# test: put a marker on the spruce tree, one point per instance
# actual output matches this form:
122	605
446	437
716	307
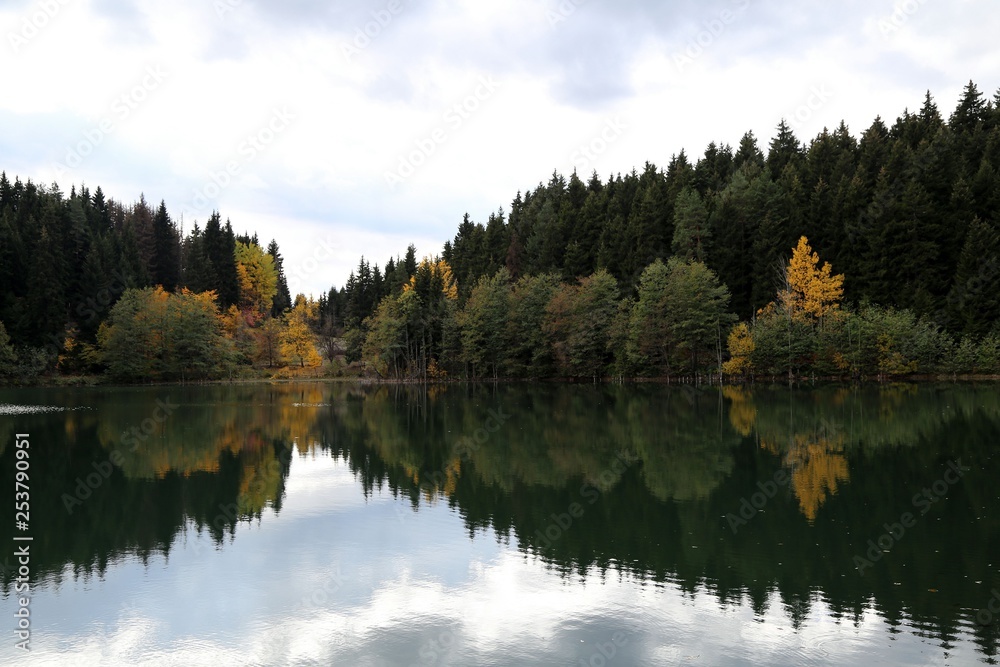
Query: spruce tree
974	300
168	252
282	299
748	153
784	149
691	229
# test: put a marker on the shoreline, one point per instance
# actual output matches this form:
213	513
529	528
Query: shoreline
924	378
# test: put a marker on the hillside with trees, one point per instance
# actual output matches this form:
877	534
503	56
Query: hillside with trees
90	285
870	256
645	274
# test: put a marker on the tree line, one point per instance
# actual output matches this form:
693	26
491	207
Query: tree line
647	273
676	272
88	284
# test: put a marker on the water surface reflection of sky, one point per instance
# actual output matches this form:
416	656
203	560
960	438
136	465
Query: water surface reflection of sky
338	579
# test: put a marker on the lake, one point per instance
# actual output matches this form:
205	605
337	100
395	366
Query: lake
344	524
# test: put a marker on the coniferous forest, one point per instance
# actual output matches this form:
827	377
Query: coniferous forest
853	256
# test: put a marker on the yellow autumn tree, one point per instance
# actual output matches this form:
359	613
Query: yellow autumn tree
237	327
812	292
297	341
741	346
258	280
438	271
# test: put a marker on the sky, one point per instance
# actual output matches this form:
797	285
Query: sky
353	128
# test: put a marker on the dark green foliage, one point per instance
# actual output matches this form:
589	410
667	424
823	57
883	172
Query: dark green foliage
219	248
691	230
65	261
529	354
891	210
151	334
8	357
167	246
283	299
785	150
578	323
974	300
483	321
907	212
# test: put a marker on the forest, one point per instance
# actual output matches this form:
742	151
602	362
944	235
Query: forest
874	256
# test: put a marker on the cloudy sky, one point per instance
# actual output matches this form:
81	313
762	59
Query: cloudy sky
357	127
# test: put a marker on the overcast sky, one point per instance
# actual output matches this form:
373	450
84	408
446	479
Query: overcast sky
358	127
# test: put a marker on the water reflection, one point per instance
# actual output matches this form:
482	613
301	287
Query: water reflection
631	487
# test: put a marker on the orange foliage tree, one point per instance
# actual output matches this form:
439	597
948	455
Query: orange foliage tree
812	291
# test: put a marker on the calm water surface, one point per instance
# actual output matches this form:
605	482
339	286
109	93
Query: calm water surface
313	524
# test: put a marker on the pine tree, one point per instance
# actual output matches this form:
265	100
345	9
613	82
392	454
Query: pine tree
930	119
167	249
733	231
410	261
691	230
45	314
282	299
971	110
646	227
139	220
784	150
197	271
220	248
748	153
974	300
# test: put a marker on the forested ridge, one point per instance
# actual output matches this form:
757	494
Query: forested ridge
642	273
88	284
870	256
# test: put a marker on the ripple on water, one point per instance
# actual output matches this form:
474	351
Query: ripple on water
9	409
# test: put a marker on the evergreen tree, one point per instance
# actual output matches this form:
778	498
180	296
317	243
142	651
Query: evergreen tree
410	261
483	323
748	153
691	229
167	249
197	272
971	110
220	247
648	223
139	221
282	299
734	228
784	150
974	299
